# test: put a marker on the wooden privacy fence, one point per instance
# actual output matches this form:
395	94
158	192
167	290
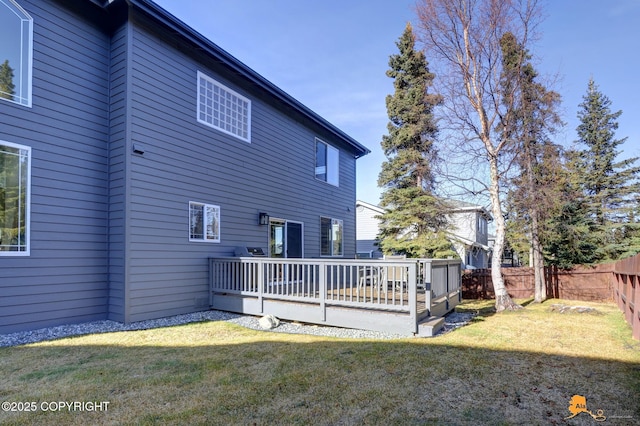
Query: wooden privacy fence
626	291
580	283
381	295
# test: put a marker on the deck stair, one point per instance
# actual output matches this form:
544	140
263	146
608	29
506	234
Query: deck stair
428	327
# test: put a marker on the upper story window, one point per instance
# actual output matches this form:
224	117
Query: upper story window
327	163
330	237
222	108
482	225
204	222
15	192
16	45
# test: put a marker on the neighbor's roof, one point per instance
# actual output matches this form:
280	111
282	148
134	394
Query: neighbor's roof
457	206
175	25
464	206
370	206
469	242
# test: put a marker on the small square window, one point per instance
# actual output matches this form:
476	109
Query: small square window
204	222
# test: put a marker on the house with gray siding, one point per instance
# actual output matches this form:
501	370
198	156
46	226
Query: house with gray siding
132	149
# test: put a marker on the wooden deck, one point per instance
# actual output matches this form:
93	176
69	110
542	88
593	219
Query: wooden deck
407	297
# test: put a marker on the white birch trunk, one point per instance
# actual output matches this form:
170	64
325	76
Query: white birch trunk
503	300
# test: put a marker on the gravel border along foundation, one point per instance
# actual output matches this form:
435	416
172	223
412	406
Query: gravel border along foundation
452	321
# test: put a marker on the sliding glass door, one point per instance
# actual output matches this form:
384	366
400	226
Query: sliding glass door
285	239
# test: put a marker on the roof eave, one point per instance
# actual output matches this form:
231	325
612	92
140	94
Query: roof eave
174	24
370	206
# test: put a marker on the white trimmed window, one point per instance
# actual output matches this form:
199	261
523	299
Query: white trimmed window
330	237
16	47
204	222
15	199
327	163
222	108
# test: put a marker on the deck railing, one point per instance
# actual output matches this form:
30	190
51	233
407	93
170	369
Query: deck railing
342	292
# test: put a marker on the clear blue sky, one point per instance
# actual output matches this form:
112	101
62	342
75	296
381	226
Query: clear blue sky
332	56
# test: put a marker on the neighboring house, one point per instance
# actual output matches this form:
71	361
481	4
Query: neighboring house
367	227
132	149
469	234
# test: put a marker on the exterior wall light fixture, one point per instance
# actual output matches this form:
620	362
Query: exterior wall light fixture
263	218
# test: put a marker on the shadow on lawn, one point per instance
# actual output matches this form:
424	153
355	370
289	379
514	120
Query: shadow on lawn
216	373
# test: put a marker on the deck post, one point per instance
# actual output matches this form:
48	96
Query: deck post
413	294
427	287
322	283
448	287
459	283
261	284
210	282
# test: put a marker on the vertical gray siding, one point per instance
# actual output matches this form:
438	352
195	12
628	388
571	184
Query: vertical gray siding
65	278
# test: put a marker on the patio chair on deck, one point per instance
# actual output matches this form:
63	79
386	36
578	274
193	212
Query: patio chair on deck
396	277
370	276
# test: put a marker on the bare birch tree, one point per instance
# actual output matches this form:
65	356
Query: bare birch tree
463	38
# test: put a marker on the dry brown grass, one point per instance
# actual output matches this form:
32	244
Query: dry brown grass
512	368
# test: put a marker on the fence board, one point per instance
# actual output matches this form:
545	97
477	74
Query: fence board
626	283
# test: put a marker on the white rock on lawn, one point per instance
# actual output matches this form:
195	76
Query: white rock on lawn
268	322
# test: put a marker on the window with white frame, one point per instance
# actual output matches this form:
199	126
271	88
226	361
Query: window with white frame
15	199
327	163
330	237
16	46
223	109
204	222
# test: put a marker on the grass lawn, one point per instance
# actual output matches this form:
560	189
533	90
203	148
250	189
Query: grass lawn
516	368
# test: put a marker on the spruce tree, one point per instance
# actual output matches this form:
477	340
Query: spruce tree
568	235
414	221
529	122
609	186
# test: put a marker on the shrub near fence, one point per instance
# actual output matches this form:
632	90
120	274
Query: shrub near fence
580	283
